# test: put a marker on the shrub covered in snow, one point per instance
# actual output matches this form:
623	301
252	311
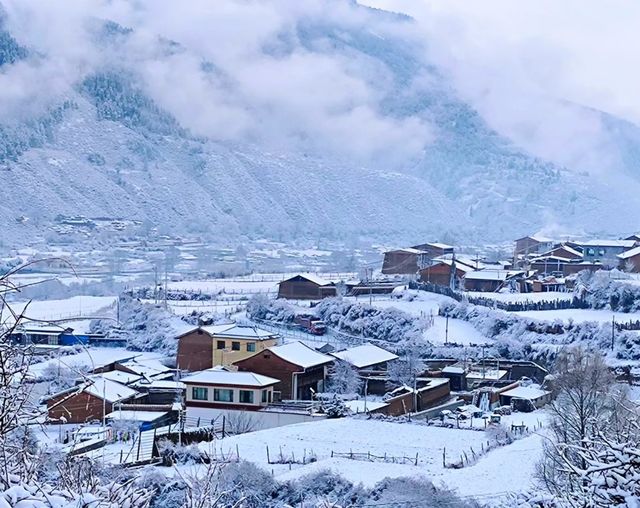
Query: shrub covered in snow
145	327
388	325
600	290
262	307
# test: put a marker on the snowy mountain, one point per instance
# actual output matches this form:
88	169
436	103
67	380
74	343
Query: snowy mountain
384	149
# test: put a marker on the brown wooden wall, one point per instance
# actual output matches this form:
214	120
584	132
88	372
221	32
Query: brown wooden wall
78	408
302	289
432	397
195	351
398	262
268	364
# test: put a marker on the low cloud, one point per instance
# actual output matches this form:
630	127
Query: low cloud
239	72
539	71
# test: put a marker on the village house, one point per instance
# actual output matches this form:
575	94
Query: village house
409	260
220	389
490	280
51	335
548	284
90	400
206	346
525	398
528	245
440	272
428	393
629	261
606	251
306	287
366	358
130	370
564	251
302	371
401	261
431	251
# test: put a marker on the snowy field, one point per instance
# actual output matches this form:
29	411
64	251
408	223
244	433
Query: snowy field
74	307
394	439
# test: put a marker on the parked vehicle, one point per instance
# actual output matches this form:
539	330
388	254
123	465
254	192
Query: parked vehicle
310	324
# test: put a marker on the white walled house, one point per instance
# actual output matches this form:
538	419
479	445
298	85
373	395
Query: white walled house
221	389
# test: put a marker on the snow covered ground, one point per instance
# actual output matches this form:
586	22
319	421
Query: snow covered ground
579	315
394	439
74	307
427	305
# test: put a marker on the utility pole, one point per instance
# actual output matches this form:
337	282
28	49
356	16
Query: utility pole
482	347
370	287
165	286
155	285
446	331
613	331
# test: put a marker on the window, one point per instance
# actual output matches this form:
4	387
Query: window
220	344
220	395
591	252
251	347
246	396
198	393
265	395
235	346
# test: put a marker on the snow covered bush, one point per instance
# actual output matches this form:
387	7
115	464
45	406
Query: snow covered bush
264	308
388	325
334	408
343	379
145	327
600	291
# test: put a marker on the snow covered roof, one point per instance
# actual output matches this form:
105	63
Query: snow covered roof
627	244
299	354
442	246
453	369
160	384
499	275
312	278
359	406
630	253
234	331
541	259
537	238
461	265
409	250
365	355
106	389
526	392
121	377
223	377
569	249
135	416
146	367
488	374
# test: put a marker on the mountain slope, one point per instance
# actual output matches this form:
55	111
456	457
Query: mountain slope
107	148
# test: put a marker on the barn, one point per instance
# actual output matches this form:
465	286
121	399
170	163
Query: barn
306	287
